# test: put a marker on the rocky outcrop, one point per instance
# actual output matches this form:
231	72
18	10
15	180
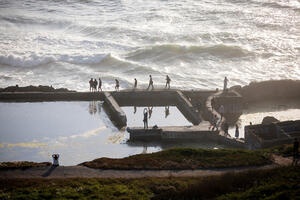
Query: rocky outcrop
269	120
31	88
269	90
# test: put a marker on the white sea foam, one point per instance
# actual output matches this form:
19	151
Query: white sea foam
35	59
197	43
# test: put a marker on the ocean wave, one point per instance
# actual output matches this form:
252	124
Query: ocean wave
36	60
220	50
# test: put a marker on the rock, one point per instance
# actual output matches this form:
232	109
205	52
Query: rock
269	120
31	88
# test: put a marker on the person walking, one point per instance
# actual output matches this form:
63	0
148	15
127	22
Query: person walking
168	80
295	152
225	84
150	83
100	85
95	85
91	85
135	83
237	133
145	120
117	85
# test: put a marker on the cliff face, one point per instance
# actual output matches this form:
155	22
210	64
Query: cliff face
270	90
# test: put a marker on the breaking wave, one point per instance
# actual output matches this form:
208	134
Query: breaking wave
221	50
36	60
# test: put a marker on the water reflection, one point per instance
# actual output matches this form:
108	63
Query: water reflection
94	107
167	111
150	110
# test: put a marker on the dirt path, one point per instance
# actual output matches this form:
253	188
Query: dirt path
85	172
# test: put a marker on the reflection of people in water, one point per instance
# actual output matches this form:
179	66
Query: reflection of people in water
99	107
167	111
92	107
134	109
145	120
150	111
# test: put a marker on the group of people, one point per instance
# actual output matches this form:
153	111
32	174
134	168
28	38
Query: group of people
94	83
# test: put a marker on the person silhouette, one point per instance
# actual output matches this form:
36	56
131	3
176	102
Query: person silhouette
135	83
117	85
225	84
168	80
150	83
237	132
145	120
95	85
91	85
100	85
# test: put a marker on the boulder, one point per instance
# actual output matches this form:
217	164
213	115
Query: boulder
269	120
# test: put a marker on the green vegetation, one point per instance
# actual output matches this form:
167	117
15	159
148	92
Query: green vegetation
185	158
278	183
282	150
22	165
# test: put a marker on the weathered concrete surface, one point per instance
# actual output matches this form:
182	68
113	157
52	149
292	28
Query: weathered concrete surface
182	133
117	115
267	135
187	109
50	96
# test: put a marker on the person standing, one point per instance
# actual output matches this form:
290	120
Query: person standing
225	84
95	85
150	83
135	83
117	85
168	80
295	152
221	111
237	133
145	120
91	85
100	85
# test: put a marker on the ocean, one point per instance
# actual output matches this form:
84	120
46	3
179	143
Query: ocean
64	43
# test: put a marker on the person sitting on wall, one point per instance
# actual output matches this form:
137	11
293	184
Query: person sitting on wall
145	120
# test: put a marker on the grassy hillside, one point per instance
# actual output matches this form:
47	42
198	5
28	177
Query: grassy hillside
185	158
